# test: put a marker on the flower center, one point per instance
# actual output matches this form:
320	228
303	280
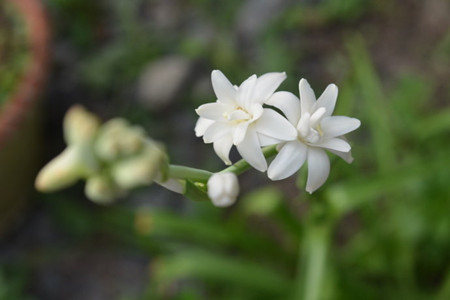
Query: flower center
239	115
309	130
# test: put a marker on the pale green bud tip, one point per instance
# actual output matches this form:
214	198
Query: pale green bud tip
101	189
61	172
140	169
75	162
223	189
80	126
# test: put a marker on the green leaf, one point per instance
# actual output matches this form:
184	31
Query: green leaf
225	271
196	191
375	104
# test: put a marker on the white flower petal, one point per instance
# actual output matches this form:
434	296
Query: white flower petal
328	99
275	125
256	110
303	125
288	161
250	150
288	103
216	131
347	156
316	117
318	169
201	126
266	86
222	148
224	90
338	125
239	132
213	111
334	144
244	94
265	140
307	96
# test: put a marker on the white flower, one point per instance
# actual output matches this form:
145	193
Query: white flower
316	130
223	189
238	118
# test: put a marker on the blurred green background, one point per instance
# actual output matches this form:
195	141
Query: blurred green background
387	214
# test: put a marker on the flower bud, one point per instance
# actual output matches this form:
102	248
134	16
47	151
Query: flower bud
101	189
72	164
80	126
223	189
140	169
118	139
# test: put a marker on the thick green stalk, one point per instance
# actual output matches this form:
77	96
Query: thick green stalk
312	260
313	251
182	172
242	165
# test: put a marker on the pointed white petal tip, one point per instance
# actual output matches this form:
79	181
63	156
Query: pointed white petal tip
334	86
303	83
283	74
276	175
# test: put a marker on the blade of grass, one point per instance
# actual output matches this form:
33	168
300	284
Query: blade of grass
222	270
375	104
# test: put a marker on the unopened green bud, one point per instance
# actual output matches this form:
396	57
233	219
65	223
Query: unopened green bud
101	189
140	169
80	126
73	163
117	139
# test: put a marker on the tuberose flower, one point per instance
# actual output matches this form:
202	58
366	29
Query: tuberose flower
238	118
223	189
317	130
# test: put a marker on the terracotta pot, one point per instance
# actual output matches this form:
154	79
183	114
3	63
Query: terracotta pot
19	119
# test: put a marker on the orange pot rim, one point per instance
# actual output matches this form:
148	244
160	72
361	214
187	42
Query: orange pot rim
33	79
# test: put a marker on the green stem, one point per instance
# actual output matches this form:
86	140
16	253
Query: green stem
182	172
242	165
312	261
314	251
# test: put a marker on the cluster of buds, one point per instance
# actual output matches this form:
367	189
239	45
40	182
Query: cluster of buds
113	158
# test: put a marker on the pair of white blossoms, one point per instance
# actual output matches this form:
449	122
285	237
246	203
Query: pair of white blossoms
243	116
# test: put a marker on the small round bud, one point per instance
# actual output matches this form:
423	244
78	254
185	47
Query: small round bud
101	189
223	189
117	139
140	169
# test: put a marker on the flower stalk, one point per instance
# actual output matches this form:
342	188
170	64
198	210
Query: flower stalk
199	175
313	252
